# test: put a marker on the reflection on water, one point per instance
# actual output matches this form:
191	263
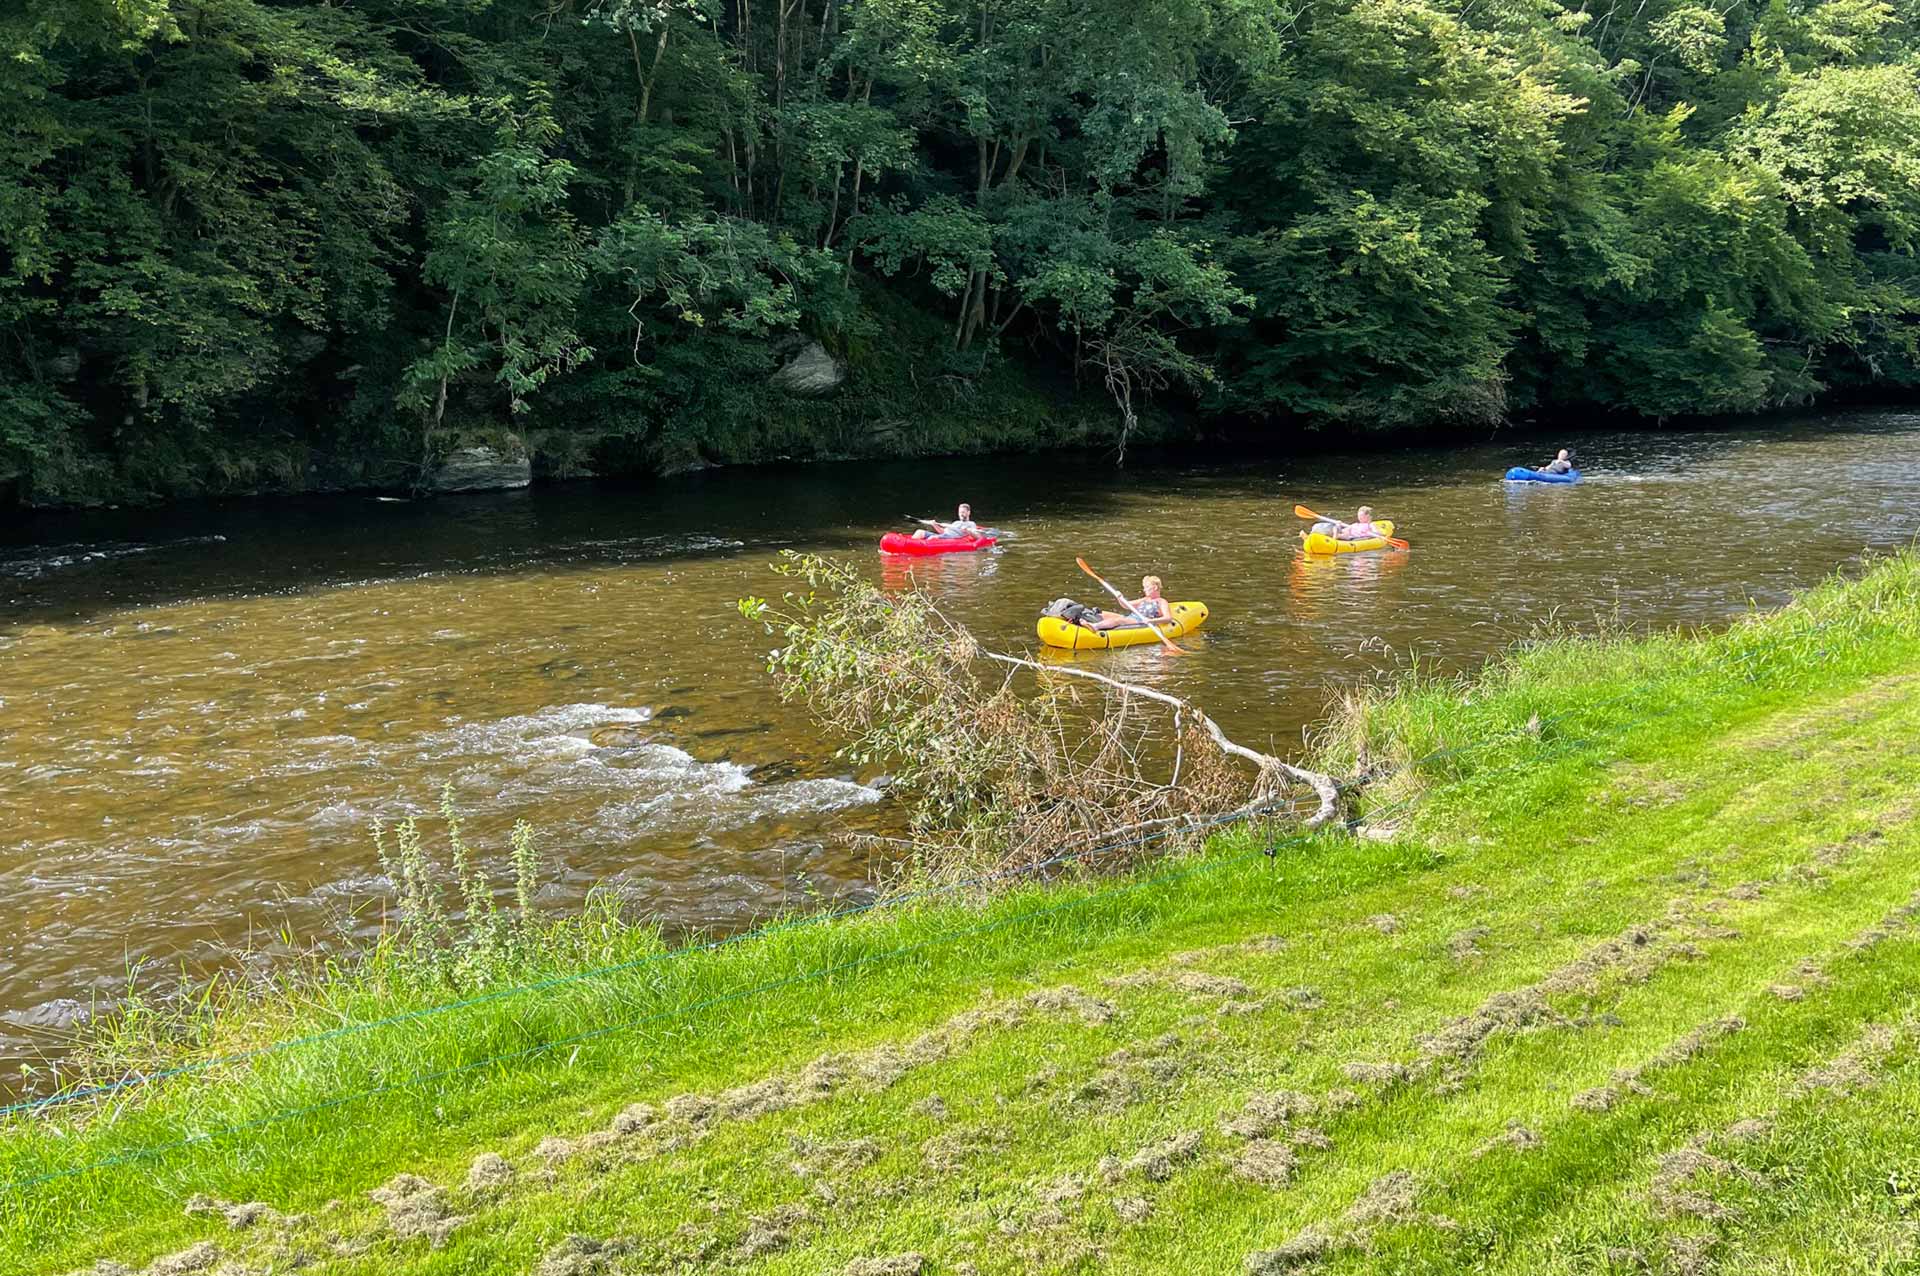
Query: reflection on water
202	710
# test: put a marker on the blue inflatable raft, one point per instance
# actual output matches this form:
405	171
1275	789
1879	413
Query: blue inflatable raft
1521	474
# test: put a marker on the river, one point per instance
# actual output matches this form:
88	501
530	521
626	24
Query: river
203	709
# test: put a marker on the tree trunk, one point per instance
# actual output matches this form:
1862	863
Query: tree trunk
653	74
976	314
833	211
966	305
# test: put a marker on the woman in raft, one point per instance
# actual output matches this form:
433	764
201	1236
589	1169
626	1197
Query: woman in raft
1361	529
1560	464
1150	605
959	529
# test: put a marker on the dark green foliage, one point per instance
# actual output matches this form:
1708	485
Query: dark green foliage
257	243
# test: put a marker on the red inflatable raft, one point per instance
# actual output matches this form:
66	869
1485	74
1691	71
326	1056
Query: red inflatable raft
900	543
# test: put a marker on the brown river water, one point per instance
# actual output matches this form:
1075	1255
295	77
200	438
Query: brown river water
203	709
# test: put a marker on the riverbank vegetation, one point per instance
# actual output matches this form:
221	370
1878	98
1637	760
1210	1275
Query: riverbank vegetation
249	245
1005	764
1625	983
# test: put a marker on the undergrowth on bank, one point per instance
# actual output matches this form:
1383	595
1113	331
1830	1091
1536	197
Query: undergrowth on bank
611	1015
1418	732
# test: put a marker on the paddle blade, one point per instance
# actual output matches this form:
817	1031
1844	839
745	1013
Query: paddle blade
1301	511
1397	543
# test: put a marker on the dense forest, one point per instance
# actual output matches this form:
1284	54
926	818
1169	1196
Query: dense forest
248	244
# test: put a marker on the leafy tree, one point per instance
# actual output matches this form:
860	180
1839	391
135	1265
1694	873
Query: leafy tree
510	258
240	237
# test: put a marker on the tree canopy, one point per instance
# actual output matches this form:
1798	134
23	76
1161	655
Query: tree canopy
238	233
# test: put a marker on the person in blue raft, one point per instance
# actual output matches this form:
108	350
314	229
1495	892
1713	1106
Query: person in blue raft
1561	469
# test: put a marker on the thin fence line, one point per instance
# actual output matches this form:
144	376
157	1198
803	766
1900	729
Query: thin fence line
675	1012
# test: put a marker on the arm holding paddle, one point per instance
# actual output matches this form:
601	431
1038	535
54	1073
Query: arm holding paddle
941	529
1131	609
1301	511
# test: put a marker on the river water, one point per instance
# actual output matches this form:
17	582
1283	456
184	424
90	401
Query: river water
202	710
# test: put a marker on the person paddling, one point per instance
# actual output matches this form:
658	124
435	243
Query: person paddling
1150	605
959	529
1561	464
1361	529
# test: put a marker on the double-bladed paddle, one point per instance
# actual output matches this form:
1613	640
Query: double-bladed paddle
1301	511
991	532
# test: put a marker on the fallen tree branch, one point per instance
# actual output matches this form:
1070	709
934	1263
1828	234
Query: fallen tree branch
994	774
1269	766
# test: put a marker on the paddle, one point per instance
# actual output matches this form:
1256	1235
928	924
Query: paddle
1171	645
993	532
1301	511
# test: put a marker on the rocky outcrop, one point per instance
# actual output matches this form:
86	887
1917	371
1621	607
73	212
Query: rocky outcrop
482	469
808	370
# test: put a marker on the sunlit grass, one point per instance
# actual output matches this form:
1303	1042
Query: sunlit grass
1586	786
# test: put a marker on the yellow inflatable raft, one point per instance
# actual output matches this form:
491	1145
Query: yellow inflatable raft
1055	632
1318	543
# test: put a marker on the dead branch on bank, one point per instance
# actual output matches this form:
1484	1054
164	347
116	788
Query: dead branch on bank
1009	769
1269	767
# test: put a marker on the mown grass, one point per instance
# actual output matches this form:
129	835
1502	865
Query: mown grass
1740	801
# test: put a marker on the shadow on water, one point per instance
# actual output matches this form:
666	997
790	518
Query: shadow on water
71	566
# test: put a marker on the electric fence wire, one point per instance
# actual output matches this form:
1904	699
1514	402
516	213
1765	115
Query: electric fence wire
1378	816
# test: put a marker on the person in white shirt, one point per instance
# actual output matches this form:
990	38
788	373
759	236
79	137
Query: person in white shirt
959	529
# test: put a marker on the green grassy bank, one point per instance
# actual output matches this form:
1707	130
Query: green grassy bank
1624	977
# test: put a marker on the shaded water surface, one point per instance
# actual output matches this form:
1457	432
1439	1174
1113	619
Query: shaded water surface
202	711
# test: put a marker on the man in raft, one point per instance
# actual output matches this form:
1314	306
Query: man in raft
958	530
1560	464
1361	529
1150	605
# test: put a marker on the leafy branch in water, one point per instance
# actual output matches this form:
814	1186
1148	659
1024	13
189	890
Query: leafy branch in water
1004	762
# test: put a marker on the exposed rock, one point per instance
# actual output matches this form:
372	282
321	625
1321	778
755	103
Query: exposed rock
482	469
620	735
809	371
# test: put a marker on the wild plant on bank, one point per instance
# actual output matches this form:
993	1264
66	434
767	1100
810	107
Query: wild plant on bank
427	943
449	928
